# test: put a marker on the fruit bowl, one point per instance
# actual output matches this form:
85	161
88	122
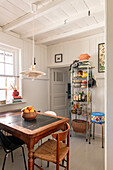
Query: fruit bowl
28	113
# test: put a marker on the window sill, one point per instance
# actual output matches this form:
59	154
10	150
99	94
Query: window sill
7	104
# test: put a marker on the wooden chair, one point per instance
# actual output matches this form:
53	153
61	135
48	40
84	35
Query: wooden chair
55	150
9	144
51	113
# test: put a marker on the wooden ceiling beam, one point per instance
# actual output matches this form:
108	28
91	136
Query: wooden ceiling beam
30	17
72	33
38	2
61	24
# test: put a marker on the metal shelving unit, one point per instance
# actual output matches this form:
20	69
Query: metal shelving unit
76	108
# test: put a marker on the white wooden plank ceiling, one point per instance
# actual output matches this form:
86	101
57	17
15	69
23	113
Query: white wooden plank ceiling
54	20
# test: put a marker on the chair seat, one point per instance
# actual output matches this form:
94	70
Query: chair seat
47	151
14	143
15	140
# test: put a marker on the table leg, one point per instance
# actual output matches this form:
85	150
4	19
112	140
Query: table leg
30	159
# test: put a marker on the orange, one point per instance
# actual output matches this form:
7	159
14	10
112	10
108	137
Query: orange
26	111
32	110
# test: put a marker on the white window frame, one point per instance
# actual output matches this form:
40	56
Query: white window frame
16	62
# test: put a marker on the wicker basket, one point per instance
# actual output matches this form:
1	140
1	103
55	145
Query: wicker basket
79	125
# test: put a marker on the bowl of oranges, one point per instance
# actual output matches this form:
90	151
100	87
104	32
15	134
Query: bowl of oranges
28	113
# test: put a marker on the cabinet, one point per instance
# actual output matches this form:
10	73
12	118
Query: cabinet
81	99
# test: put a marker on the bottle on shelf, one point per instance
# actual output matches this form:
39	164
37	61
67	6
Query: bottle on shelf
74	107
79	96
83	96
77	105
86	98
76	98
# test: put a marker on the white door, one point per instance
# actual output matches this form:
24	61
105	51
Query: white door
58	88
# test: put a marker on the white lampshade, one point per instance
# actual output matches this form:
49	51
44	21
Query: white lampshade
32	72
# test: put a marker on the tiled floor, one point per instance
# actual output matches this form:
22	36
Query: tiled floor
82	156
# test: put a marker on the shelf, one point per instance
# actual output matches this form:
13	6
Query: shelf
81	78
85	87
84	107
81	87
7	104
79	101
83	68
80	114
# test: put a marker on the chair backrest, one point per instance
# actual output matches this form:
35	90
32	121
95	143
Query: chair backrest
51	113
4	141
61	136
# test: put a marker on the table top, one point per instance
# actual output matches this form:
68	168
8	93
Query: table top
40	123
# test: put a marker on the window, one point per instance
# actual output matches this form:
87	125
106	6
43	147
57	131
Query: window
8	73
58	76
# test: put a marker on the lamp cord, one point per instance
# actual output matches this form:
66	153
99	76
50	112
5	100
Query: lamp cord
33	59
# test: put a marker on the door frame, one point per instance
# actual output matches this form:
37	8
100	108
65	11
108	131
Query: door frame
49	83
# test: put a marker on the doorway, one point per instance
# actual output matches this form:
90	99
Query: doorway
59	102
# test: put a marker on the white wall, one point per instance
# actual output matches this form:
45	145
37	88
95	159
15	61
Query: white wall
34	92
71	51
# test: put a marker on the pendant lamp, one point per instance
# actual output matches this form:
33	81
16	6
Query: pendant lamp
33	72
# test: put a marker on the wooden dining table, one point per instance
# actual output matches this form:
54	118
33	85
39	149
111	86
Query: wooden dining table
31	131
